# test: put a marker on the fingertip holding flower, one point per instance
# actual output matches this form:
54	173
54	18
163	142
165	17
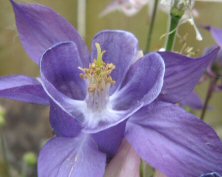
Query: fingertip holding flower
126	163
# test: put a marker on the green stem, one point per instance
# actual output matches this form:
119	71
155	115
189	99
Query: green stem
150	31
142	171
211	87
81	17
174	21
4	153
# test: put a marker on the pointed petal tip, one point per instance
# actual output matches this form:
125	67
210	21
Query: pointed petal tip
212	54
40	27
14	3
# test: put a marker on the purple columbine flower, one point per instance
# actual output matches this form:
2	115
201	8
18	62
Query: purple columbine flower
95	101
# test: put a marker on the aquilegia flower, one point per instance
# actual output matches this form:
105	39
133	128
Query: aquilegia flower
95	101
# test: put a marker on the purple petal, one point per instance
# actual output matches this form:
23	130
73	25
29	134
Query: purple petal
59	65
40	28
219	58
193	101
216	34
62	123
121	49
62	83
182	74
110	139
126	163
142	83
71	157
22	88
174	141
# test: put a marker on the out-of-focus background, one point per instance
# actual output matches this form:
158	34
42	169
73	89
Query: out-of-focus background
27	125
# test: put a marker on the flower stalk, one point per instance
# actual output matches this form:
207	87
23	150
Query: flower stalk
213	83
150	30
2	142
174	21
4	154
81	17
178	8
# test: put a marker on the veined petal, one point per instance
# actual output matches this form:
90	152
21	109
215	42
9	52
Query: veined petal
142	83
40	28
121	49
178	82
71	157
174	141
60	66
22	88
62	123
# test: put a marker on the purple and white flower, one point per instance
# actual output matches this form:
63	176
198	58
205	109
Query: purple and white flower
128	7
97	100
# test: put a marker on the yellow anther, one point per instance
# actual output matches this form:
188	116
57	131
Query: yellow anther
98	73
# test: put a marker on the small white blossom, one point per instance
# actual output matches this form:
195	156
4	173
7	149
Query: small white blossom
128	7
132	7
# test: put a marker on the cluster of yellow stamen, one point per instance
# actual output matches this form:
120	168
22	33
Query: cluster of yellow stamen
98	73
